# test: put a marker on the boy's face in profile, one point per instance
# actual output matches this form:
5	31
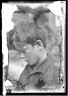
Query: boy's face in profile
31	53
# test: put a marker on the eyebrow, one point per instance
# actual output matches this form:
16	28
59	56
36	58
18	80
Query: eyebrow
23	49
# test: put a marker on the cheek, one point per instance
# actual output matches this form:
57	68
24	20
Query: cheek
31	56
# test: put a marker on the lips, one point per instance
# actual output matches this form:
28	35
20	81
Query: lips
25	59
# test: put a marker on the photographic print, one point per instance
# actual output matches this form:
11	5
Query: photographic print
33	47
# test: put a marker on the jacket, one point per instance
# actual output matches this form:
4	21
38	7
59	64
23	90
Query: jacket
44	74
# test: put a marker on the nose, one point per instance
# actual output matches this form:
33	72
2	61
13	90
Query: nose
22	55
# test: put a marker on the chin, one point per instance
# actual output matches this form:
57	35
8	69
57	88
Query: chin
31	64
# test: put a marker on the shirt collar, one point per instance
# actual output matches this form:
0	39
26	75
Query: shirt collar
43	66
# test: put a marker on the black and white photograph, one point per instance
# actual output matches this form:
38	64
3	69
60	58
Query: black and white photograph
33	47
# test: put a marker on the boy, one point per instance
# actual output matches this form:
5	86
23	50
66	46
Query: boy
33	39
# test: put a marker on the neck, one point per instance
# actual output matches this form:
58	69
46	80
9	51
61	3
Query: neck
42	57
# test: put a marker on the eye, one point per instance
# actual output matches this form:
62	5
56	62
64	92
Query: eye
24	50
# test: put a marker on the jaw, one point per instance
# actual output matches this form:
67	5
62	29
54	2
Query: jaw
42	57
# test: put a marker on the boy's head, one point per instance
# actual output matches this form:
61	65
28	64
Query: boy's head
30	39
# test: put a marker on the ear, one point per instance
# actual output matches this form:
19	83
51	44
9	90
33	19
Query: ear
39	44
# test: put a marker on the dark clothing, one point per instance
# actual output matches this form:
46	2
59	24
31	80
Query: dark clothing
44	74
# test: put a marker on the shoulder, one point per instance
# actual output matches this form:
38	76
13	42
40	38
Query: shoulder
50	67
51	76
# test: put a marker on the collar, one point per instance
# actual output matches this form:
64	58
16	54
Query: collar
43	66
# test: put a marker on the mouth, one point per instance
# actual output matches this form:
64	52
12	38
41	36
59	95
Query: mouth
26	59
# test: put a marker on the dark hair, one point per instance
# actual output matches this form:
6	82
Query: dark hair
29	33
